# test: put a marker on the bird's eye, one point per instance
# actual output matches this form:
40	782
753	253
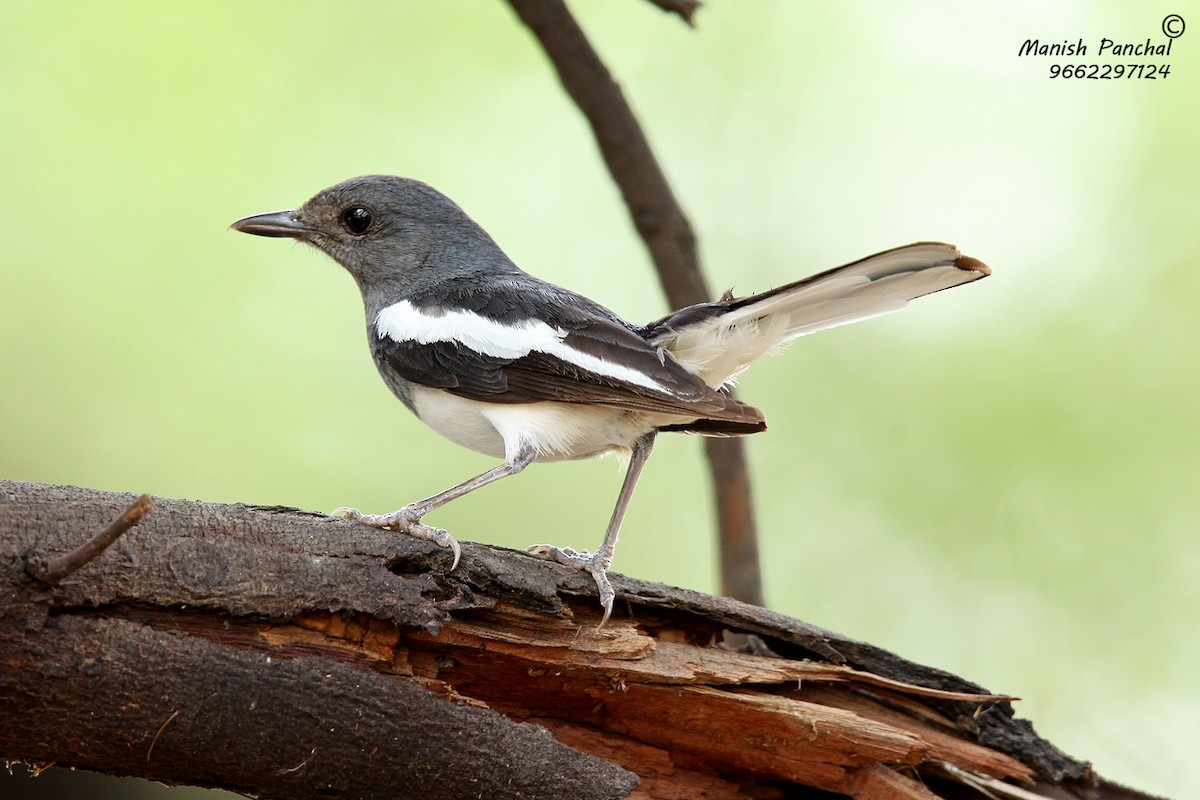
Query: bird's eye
356	219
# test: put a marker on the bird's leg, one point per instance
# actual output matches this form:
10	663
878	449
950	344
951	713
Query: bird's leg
408	519
597	563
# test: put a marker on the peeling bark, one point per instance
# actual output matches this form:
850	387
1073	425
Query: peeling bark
282	653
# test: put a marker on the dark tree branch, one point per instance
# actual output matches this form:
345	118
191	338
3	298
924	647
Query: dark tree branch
287	654
656	213
684	8
664	228
111	694
741	576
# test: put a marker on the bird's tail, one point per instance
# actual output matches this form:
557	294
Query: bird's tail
717	340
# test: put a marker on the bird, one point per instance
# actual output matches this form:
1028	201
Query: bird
520	369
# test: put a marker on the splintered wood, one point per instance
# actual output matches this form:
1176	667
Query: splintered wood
691	718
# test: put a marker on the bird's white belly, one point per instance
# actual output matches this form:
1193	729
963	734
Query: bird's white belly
558	431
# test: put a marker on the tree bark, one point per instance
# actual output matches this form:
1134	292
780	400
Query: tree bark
286	654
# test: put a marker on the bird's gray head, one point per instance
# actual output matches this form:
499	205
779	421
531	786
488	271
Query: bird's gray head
390	233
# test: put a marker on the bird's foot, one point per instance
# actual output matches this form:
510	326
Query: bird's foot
408	520
595	564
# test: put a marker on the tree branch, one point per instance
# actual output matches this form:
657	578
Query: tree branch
686	9
286	654
655	212
664	228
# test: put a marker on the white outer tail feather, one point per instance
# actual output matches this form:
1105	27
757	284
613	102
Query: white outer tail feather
719	348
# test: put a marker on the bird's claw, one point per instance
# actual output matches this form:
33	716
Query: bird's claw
407	520
595	564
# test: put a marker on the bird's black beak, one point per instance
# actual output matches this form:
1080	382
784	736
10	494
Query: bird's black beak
277	223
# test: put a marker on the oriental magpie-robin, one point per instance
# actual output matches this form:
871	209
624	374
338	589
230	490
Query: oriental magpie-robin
514	367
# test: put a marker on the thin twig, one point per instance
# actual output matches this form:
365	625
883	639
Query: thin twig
55	569
301	765
664	227
161	728
684	8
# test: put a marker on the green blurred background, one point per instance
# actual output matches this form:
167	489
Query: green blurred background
1001	481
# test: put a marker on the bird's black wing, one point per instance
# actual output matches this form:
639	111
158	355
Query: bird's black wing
569	354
